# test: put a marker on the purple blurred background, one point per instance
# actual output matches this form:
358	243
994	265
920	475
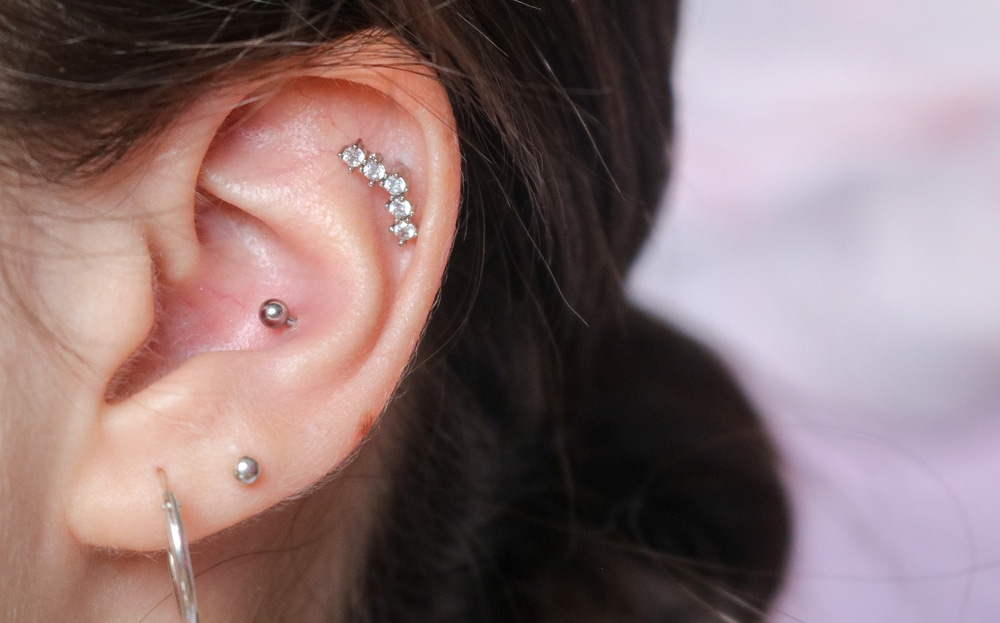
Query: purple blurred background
833	230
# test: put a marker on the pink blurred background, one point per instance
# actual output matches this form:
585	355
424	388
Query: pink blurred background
833	230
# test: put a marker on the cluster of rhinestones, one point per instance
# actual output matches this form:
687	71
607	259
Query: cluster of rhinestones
371	166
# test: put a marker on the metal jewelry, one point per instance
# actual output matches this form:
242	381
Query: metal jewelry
179	557
274	314
371	166
247	470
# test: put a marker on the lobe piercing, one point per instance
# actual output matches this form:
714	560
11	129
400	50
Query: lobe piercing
274	314
247	470
370	165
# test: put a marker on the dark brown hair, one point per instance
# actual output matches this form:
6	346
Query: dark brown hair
566	458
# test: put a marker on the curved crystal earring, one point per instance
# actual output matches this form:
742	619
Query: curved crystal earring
178	555
371	166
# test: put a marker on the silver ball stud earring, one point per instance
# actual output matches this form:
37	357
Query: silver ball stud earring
274	314
247	470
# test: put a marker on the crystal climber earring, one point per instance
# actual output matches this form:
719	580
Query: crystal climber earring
371	166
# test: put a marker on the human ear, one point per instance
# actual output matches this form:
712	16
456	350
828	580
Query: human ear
242	200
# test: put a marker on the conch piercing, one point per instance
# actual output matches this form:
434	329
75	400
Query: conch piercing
178	555
274	314
247	470
371	166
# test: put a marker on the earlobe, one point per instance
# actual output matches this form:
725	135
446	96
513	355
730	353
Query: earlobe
287	329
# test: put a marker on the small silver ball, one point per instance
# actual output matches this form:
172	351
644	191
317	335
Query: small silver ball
247	470
274	314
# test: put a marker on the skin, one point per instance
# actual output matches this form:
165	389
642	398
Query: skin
147	282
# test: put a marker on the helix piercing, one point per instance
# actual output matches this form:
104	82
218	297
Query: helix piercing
274	314
179	556
247	470
371	166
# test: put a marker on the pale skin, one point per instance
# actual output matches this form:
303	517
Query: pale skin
240	200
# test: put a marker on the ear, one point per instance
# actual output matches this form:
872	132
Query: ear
246	199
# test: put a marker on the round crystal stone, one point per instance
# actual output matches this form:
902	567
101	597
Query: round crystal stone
374	169
404	230
353	156
399	208
395	184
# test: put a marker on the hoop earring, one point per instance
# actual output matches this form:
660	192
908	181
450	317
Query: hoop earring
178	555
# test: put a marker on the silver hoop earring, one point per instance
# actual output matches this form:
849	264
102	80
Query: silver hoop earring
179	557
370	165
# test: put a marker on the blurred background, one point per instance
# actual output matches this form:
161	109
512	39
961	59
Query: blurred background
833	231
